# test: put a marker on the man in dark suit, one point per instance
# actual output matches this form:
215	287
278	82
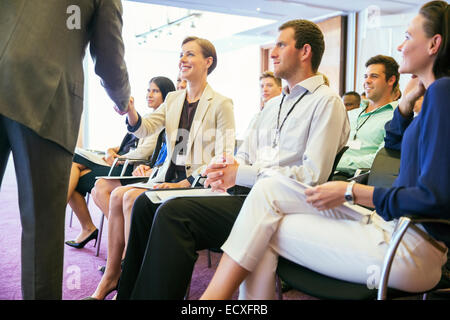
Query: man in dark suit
42	45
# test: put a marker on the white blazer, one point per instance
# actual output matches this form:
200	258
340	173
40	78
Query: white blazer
212	132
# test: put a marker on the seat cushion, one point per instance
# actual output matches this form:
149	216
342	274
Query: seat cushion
324	287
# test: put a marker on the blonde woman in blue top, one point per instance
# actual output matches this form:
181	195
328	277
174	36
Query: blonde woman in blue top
270	223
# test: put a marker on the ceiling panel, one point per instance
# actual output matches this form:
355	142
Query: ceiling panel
277	11
283	10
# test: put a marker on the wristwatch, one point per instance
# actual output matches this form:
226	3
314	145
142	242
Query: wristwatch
349	193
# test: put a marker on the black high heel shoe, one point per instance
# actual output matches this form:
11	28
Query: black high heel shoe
80	245
107	294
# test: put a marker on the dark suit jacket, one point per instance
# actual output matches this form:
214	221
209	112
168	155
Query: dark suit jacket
41	73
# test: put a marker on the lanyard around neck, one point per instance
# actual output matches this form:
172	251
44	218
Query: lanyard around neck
279	127
360	126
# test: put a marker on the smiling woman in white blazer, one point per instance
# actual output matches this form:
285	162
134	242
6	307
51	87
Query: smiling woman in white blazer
211	134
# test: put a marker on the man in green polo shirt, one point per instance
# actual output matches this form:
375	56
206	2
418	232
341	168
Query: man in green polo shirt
367	122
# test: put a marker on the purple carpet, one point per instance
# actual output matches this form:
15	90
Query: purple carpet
81	274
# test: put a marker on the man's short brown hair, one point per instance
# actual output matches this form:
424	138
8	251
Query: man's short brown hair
390	67
269	74
307	32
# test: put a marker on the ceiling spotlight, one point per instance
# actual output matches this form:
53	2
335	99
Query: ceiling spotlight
258	9
157	32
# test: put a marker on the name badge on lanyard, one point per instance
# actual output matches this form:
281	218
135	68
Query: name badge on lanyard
354	144
181	160
276	141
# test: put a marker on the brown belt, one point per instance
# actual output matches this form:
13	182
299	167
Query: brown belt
388	227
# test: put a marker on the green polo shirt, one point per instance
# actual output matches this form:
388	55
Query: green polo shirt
369	129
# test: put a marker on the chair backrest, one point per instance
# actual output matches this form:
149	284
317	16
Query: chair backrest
385	168
159	143
336	161
128	142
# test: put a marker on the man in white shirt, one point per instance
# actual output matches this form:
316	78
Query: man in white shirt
270	87
297	135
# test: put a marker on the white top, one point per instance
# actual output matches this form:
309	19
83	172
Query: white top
313	133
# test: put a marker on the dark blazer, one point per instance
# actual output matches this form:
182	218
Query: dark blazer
41	72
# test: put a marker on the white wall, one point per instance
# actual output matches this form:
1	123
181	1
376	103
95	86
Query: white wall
104	127
383	36
236	76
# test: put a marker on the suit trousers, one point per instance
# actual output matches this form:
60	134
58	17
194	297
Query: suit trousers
164	240
42	171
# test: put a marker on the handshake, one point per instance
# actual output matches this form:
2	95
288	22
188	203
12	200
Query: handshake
221	173
222	170
128	108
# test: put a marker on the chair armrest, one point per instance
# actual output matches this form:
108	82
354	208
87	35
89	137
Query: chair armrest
402	226
418	220
361	178
132	160
400	230
99	152
127	161
360	171
198	181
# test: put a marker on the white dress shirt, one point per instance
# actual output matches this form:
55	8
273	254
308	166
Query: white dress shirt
311	136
